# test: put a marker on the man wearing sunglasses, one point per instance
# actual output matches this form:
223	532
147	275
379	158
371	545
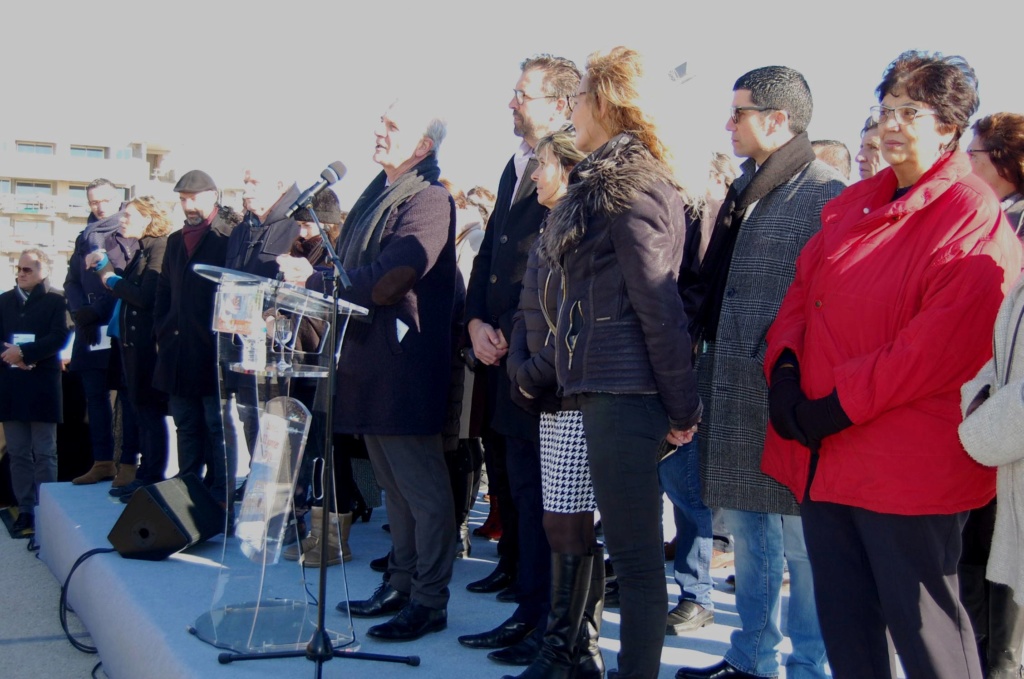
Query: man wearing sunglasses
769	213
539	104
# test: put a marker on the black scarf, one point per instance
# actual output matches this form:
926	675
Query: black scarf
787	161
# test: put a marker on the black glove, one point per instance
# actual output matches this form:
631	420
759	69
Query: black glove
86	316
821	417
90	333
783	397
522	400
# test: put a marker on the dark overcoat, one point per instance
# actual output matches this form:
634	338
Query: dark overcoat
495	286
83	288
392	380
186	362
33	395
137	292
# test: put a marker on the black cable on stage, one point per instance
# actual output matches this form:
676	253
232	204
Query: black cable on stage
64	601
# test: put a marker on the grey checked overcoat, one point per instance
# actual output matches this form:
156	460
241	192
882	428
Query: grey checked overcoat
730	375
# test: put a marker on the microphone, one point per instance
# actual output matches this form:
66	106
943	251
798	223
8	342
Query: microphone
334	172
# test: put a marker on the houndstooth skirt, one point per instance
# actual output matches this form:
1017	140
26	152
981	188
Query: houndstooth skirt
565	470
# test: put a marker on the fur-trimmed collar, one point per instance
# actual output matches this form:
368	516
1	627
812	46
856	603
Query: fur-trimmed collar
605	183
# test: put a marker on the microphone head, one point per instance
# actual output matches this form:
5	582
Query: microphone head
334	172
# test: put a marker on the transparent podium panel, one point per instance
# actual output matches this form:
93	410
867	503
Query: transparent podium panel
274	363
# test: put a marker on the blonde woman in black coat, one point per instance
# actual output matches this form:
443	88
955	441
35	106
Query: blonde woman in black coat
147	222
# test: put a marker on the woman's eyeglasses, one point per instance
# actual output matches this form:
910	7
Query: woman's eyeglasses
571	100
971	152
904	115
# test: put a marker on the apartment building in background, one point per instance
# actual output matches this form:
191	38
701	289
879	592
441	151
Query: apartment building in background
42	190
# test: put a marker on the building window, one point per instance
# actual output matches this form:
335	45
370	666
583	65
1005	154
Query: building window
38	233
88	152
33	189
33	147
77	197
5	186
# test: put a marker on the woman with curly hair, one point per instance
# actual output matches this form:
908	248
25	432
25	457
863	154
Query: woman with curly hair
622	347
145	224
887	317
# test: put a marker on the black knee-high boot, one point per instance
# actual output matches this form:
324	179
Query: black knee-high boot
570	588
1005	633
589	663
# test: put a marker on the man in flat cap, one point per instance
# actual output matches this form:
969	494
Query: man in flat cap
186	364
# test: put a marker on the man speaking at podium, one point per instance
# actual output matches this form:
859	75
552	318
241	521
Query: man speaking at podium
398	248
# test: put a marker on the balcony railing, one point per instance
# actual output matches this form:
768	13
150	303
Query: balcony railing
43	205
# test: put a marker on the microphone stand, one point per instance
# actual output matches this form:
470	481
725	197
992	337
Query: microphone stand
319	649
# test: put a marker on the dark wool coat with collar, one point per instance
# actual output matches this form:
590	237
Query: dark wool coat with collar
33	395
731	378
137	292
394	381
618	234
183	312
494	288
83	288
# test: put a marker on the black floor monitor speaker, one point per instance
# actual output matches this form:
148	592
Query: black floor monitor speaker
165	518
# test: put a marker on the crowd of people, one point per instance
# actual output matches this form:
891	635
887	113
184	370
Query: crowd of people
818	374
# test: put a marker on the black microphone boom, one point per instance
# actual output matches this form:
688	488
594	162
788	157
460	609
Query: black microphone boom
334	172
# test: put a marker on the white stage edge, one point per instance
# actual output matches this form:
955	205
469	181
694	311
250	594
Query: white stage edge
138	612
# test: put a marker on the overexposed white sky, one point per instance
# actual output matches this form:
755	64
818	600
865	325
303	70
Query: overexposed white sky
222	81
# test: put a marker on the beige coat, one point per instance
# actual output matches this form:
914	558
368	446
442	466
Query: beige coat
994	436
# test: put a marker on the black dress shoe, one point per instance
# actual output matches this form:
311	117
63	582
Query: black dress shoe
506	634
495	582
380	565
412	622
688	616
385	601
522	654
25	521
722	670
508	595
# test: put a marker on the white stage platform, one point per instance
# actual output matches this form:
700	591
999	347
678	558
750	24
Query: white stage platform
138	612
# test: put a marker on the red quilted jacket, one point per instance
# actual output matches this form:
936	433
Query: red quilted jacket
893	306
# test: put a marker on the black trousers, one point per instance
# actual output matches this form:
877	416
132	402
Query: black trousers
623	432
873	571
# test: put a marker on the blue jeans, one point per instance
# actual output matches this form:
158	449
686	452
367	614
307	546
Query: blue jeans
763	541
101	415
680	480
201	434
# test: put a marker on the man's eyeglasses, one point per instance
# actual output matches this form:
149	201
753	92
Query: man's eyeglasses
971	152
904	115
523	97
24	270
735	111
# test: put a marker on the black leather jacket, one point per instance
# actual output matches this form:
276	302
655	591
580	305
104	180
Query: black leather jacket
618	235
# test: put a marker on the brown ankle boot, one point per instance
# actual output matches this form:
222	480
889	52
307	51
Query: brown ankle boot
125	475
309	548
345	521
101	471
